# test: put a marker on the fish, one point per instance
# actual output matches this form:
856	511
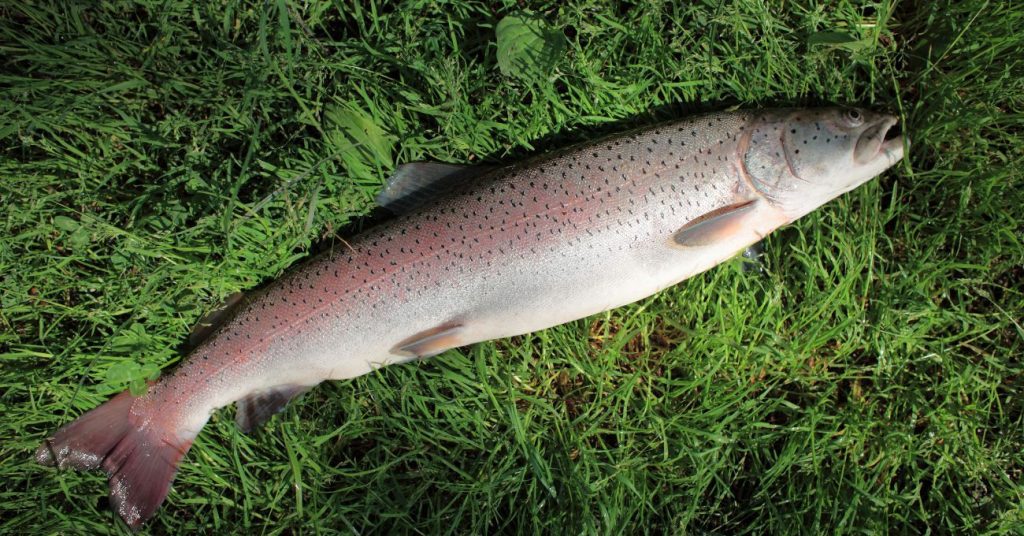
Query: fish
476	253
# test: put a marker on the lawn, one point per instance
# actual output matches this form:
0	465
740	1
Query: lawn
158	156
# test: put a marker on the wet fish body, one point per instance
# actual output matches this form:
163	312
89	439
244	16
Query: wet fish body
516	250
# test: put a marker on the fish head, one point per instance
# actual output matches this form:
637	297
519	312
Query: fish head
801	159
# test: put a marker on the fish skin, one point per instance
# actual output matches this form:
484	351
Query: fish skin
526	247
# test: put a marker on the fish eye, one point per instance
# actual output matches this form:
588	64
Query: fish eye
854	117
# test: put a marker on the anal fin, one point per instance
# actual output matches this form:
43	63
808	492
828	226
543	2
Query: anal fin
256	408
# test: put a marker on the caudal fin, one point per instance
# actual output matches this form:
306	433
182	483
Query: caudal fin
139	457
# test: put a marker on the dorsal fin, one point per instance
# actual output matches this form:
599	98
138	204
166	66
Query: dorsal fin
257	407
714	226
213	320
413	185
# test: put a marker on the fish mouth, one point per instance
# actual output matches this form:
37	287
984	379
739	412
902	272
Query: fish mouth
884	138
893	141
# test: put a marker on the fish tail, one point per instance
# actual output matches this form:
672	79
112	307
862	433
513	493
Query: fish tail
140	453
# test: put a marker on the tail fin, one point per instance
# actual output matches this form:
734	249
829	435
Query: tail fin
140	458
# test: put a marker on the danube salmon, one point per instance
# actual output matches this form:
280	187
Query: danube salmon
483	253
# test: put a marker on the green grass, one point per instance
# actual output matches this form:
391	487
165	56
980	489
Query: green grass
158	156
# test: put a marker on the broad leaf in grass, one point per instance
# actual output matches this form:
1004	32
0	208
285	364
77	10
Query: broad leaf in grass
366	149
528	47
133	376
837	40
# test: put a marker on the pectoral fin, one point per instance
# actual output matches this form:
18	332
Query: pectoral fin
431	342
717	225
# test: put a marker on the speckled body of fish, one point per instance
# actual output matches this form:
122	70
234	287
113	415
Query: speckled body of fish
511	251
